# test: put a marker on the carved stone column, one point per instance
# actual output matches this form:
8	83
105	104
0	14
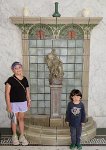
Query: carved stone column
56	119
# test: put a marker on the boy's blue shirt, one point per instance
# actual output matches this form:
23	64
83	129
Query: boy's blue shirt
75	114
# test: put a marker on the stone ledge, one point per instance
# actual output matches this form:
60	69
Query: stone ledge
52	20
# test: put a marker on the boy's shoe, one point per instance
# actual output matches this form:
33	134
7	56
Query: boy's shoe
15	140
79	146
23	140
72	146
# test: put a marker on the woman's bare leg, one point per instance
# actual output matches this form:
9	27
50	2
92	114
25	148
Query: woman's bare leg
13	126
21	122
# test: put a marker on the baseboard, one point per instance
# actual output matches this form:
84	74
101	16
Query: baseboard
5	131
101	131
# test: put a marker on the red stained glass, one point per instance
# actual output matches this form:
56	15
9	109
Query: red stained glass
40	34
71	34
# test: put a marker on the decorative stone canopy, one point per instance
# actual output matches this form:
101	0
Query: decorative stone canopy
55	26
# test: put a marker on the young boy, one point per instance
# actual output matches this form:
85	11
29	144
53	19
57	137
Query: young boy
75	115
17	100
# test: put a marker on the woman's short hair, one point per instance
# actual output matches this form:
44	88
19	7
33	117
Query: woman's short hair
15	63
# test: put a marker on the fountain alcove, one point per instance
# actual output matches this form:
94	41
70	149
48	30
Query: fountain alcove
70	36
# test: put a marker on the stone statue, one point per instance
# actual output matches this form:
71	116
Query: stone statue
55	67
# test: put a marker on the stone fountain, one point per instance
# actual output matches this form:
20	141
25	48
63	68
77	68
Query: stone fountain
52	129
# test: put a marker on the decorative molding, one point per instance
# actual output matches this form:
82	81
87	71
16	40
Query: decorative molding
56	27
52	20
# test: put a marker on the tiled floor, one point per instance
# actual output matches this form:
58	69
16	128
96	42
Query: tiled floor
97	141
49	148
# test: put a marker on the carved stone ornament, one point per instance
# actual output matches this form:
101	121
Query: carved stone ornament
55	67
54	29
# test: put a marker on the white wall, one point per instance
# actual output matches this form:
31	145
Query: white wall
11	47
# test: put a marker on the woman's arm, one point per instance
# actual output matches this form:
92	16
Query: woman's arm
28	97
7	96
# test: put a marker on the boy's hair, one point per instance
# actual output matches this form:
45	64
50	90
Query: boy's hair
75	92
15	63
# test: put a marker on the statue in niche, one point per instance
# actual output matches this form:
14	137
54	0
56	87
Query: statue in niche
55	67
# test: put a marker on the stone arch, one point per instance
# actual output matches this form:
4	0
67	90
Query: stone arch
72	31
40	31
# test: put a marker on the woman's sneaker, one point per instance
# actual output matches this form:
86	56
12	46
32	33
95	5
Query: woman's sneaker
23	140
72	146
15	140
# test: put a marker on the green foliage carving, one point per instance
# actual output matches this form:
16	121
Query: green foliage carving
56	30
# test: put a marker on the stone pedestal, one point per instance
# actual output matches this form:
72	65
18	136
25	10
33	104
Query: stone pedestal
55	100
56	122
